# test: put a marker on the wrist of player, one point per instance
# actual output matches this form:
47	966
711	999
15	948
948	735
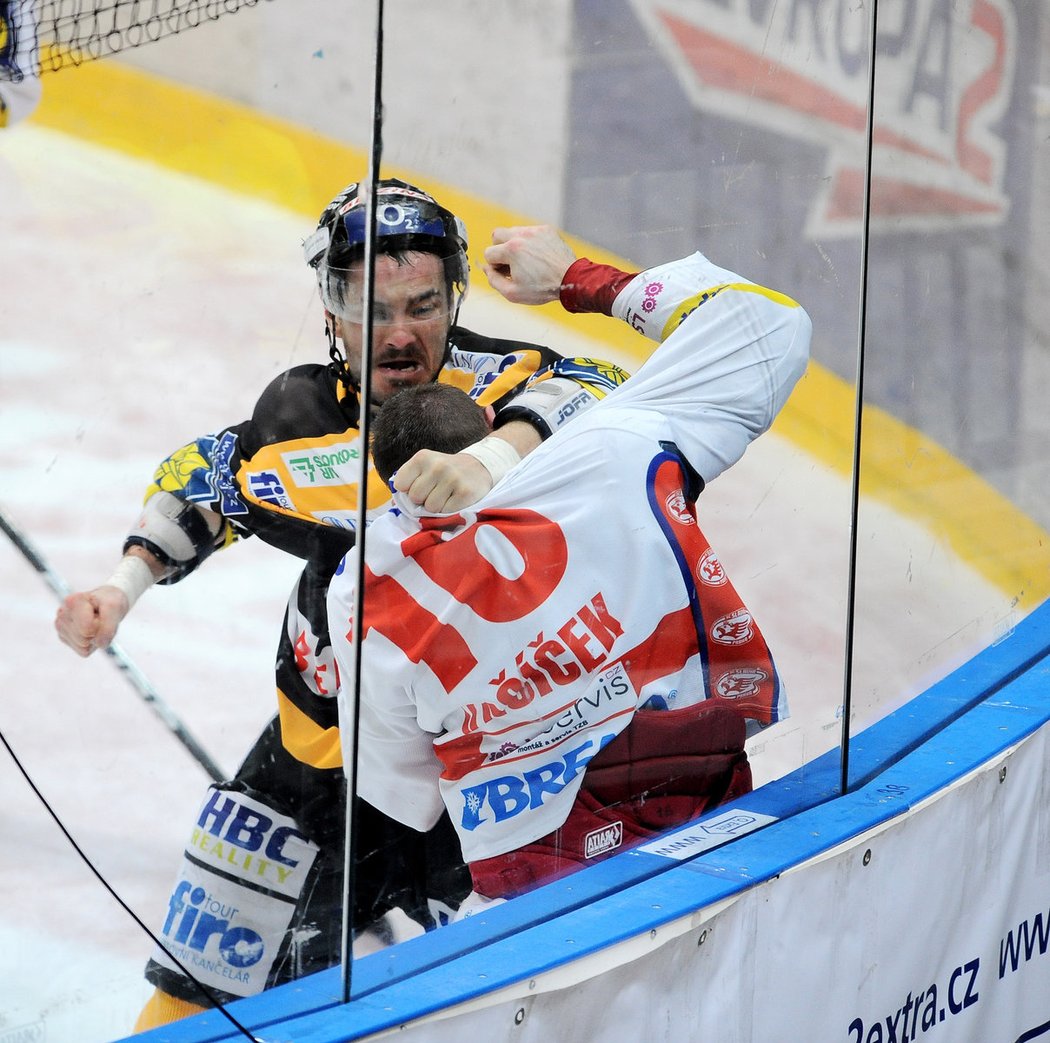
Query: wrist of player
496	455
591	287
132	577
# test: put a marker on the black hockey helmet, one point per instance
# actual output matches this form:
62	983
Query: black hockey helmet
407	219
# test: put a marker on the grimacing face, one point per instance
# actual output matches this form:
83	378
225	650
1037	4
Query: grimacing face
410	327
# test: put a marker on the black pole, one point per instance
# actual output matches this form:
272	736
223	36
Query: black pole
362	501
858	424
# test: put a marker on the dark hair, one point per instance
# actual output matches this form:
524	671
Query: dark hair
428	416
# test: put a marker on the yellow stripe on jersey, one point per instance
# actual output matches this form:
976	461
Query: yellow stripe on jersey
306	740
690	304
513	376
457	378
608	373
309	475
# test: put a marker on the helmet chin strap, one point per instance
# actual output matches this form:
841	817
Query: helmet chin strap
339	360
448	335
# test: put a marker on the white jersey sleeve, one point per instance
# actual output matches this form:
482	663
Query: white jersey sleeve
731	352
397	768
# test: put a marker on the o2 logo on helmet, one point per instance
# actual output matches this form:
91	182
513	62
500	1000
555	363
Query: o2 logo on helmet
401	219
394	219
196	918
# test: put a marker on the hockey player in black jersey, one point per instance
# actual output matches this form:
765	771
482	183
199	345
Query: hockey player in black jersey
257	898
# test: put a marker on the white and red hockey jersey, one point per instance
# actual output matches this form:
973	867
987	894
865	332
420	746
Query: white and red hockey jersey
505	645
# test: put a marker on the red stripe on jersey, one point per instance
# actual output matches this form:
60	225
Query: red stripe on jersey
665	651
395	614
463	755
738	666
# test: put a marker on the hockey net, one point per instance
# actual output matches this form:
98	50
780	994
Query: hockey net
52	34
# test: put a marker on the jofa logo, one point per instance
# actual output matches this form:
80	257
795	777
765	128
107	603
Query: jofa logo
599	841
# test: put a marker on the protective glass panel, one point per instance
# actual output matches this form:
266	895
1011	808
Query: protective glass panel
186	296
180	301
951	529
522	637
739	123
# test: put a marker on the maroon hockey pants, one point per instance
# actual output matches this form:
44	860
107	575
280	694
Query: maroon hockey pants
666	768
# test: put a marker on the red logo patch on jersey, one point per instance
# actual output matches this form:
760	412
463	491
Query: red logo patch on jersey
709	570
678	508
741	683
735	629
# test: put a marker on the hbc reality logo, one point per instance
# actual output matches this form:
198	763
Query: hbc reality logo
243	871
800	68
238	834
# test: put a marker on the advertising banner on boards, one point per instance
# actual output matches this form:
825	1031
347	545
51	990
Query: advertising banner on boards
932	928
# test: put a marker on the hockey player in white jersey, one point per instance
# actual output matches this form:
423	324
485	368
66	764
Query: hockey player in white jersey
567	659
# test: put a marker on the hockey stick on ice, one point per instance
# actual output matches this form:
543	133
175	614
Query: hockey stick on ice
134	675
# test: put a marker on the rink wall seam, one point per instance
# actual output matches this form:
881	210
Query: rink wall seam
248	152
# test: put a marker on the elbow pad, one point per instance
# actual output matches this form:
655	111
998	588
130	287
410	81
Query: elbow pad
176	533
571	387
